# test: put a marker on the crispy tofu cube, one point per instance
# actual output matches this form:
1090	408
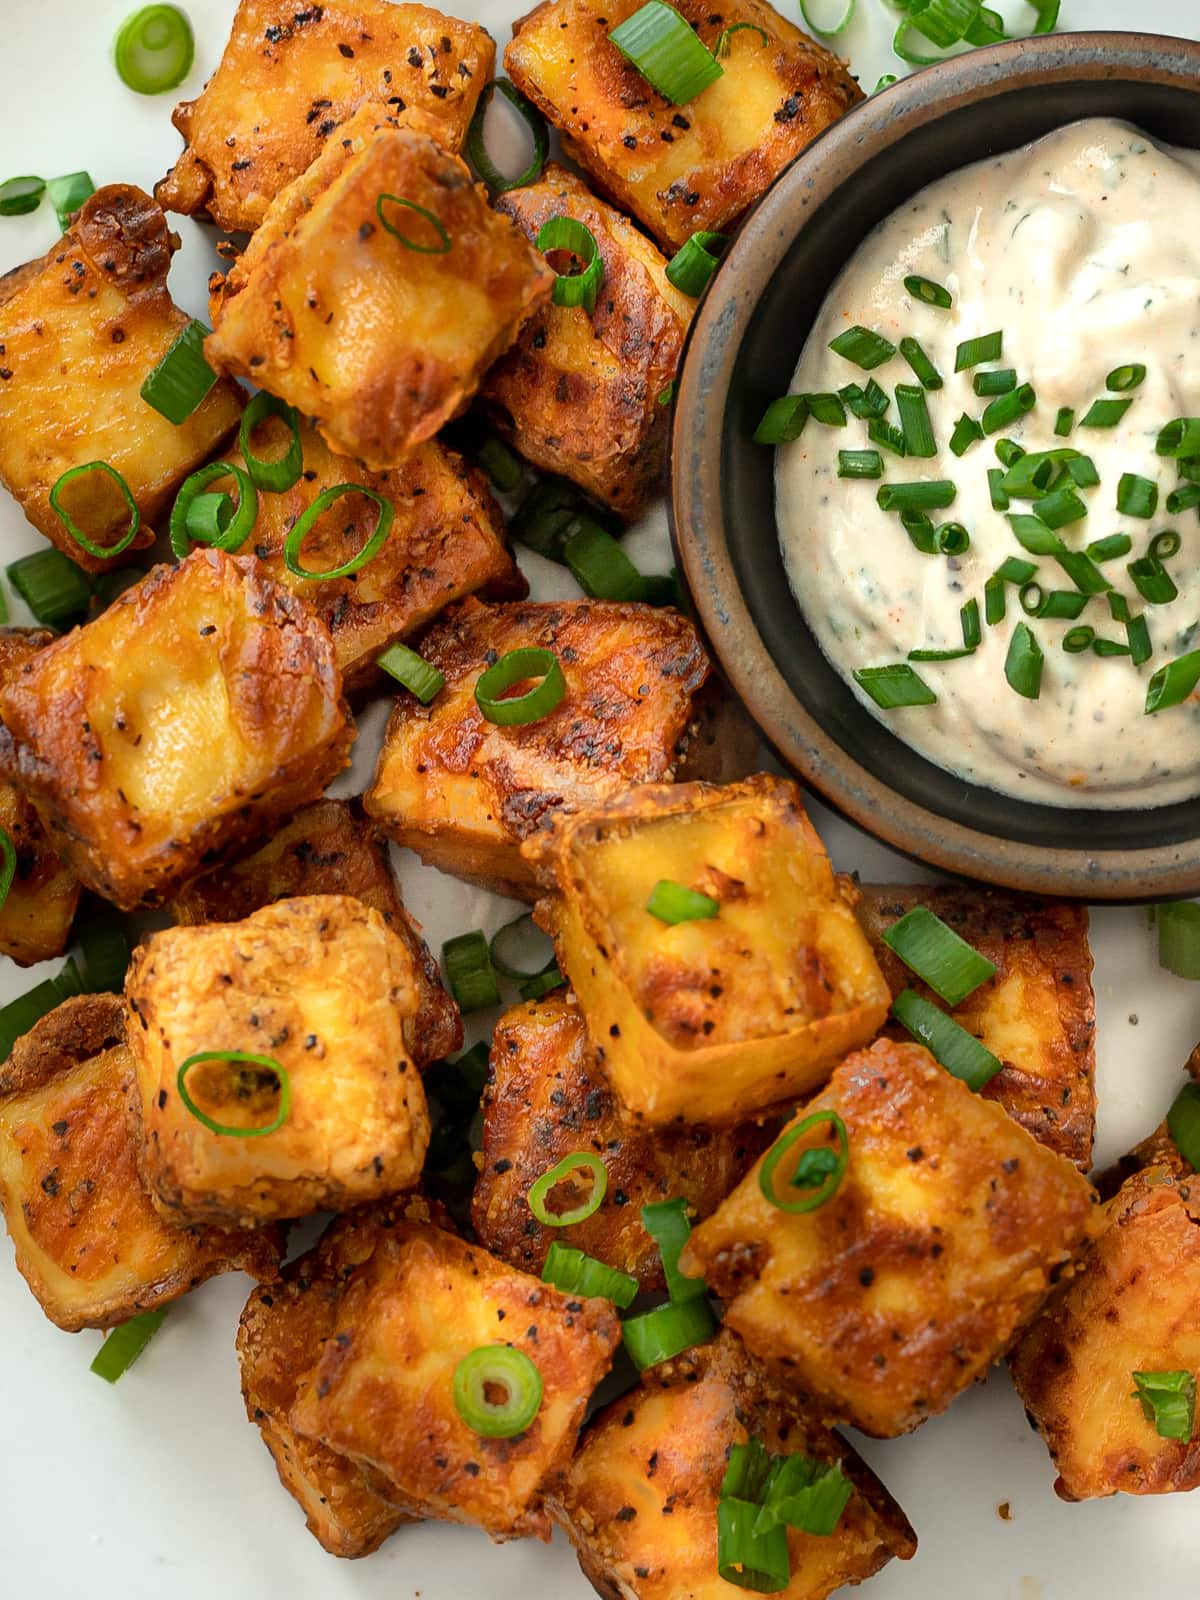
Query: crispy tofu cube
382	1391
679	168
36	917
1132	1306
640	1500
314	68
463	792
545	1100
80	331
1037	1015
447	540
940	1243
201	706
714	1019
379	342
321	986
88	1241
579	393
328	848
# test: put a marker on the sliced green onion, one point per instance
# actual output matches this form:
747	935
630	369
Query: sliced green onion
1082	472
953	539
576	1273
1009	452
413	671
1136	497
666	1221
1185	498
540	1192
928	292
1016	571
860	464
209	517
1063	605
490	1370
51	585
565	233
103	951
1108	548
807	1495
819	1170
666	50
995	477
1008	407
444	243
154	49
759	1562
1082	571
1183	1119
1168	1400
182	378
972	632
973	352
516	933
1064	421
512	711
1165	544
125	1344
1110	647
599	565
1023	664
102	552
783	420
927	374
747	1471
952	1046
864	347
542	983
829	30
1000	380
939	655
1152	581
1105	414
1172	684
181	526
20	196
1180	439
1060	509
1033	534
244	1084
1137	633
945	22
694	263
1032	598
477	146
1121	379
865	403
1118	606
918	525
914	419
312	513
827	408
469	971
674	902
886	80
951	967
665	396
1077	640
668	1331
926	496
68	194
893	687
276	477
724	40
888	436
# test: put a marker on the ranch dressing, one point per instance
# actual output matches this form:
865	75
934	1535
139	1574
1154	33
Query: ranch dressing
1084	249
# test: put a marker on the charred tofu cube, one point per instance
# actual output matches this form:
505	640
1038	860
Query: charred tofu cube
36	917
315	67
80	332
328	848
1133	1306
580	392
464	792
446	541
718	1017
201	706
88	1241
382	1390
319	986
679	168
377	292
937	1247
546	1100
640	1500
1037	1015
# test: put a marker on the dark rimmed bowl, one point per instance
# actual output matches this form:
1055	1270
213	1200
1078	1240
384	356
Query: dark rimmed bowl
742	351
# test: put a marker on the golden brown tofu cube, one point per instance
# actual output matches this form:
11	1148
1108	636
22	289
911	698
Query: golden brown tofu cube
463	792
712	1019
1037	1015
328	848
379	342
89	1243
447	540
36	917
940	1243
546	1100
1132	1306
382	1391
640	1501
579	393
679	168
201	706
80	332
319	985
314	68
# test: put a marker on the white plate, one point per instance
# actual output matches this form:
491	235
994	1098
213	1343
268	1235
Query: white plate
160	1486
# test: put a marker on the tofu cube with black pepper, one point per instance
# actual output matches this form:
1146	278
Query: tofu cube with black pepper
377	291
314	67
88	1242
319	988
80	332
204	704
464	792
939	1244
640	1501
383	1388
715	1017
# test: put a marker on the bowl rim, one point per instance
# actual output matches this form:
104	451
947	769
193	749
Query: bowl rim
697	523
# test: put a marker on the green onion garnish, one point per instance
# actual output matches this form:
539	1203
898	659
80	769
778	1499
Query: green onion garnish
182	379
20	196
667	1331
1180	439
230	531
1185	498
516	933
275	477
502	465
865	403
860	464
953	539
748	1560
674	902
154	49
242	1086
1136	497
1105	413
918	525
1118	606
603	570
887	436
1168	1400
576	1273
957	1050
514	711
1137	632
1077	640
1171	685
995	477
694	263
1111	546
1023	664
565	233
209	518
928	292
125	1344
864	347
1121	379
1110	647
102	552
972	632
951	967
972	352
1183	1119
1152	581
443	245
1064	421
542	983
819	1170
1008	452
829	30
1063	605
497	1391
51	585
469	971
1082	571
747	1471
927	374
999	380
783	420
1165	544
807	1495
724	40
666	50
413	671
477	145
914	419
1082	472
1016	571
1033	534
827	408
1060	509
934	495
1006	408
68	194
666	1221
312	513
893	687
1032	598
578	1161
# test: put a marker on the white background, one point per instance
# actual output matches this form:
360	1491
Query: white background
159	1486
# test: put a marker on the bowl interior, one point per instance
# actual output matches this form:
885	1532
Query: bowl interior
763	369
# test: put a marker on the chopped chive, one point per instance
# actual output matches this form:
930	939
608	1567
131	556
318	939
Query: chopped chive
1032	598
827	409
934	495
914	354
1082	472
1008	452
694	263
918	525
1013	570
1109	647
1121	379
947	1041
666	50
865	403
1008	407
995	477
1001	380
1105	414
994	602
1137	632
1118	606
1064	421
783	420
928	292
1185	498
1033	534
572	238
1180	439
674	902
971	631
951	967
953	539
1173	683
1063	605
914	419
939	655
1023	664
973	352
1031	475
860	464
1164	545
887	435
864	347
1137	497
469	971
893	687
1082	571
966	433
1152	581
125	1344
1077	640
1060	509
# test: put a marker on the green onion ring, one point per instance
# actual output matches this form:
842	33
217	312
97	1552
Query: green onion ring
723	45
102	552
20	196
238	1057
307	520
125	1344
416	674
499	1366
154	49
519	710
849	7
477	147
539	1192
209	517
508	969
276	477
441	249
237	532
580	288
829	1185
668	52
667	1331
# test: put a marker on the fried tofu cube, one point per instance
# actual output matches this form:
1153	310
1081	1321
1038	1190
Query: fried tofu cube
713	1019
377	292
679	168
314	68
201	706
640	1500
89	1243
579	393
1037	1015
447	540
940	1243
80	332
322	987
1132	1306
36	917
546	1100
464	792
328	848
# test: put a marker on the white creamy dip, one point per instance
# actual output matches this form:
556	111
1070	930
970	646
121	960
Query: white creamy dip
1084	250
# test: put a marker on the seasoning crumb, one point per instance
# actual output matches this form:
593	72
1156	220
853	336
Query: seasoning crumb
1133	1019
1004	1511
